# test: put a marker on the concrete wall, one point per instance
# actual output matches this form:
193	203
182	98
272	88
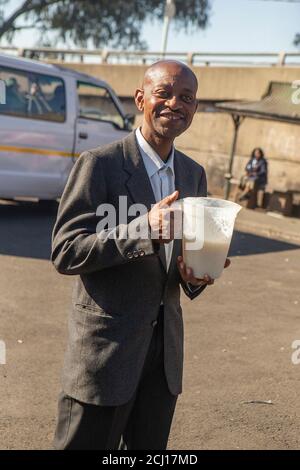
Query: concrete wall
214	82
209	138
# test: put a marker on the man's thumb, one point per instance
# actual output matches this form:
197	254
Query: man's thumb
171	198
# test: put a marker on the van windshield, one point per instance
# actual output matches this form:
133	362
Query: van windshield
95	102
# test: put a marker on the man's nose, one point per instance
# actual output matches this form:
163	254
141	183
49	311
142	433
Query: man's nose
173	102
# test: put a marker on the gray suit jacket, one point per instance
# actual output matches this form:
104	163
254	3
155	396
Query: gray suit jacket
119	282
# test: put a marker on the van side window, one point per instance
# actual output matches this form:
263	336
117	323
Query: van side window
95	102
16	89
32	95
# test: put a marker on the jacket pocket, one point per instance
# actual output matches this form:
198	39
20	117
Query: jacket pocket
95	310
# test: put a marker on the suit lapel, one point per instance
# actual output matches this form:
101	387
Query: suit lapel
138	183
180	176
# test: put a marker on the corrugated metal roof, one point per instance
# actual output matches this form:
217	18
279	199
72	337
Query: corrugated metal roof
281	102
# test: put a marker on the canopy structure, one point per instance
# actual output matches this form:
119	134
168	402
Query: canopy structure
281	103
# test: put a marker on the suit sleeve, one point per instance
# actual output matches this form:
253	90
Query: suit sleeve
78	245
193	291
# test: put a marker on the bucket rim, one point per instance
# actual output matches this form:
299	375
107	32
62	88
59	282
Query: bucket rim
201	199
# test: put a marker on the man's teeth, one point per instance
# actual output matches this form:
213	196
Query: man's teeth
171	116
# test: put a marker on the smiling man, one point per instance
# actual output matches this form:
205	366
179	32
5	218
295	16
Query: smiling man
123	366
168	101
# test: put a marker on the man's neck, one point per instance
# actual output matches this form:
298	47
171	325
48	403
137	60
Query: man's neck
161	146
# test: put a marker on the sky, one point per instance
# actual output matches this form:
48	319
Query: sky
234	26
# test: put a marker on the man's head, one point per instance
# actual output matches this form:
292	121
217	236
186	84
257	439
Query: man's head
168	99
257	153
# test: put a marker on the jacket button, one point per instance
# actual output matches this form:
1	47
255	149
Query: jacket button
154	323
136	254
141	252
129	255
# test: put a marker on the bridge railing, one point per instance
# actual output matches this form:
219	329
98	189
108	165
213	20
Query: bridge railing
105	56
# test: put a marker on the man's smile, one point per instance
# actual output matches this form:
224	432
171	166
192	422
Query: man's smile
171	116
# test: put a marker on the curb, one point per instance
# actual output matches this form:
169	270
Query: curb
267	231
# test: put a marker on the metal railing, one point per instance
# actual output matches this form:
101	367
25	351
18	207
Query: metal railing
105	56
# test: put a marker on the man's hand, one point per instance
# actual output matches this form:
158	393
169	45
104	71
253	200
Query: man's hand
188	275
161	219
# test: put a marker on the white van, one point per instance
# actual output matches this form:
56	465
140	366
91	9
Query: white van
48	116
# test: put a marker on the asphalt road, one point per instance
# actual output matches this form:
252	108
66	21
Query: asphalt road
238	337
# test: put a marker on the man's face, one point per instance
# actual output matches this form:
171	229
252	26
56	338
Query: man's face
168	100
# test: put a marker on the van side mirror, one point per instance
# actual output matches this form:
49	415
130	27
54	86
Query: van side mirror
129	121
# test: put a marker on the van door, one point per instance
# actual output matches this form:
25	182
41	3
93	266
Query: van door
99	119
36	135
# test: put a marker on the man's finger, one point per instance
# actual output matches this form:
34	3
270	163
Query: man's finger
208	279
182	268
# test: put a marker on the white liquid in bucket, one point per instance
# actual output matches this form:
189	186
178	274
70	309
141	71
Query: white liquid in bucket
210	222
209	260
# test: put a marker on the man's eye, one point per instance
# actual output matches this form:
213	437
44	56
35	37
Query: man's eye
187	98
163	94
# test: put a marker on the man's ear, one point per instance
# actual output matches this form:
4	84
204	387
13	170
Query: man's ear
196	106
139	99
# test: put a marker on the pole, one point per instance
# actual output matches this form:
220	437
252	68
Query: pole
169	13
165	35
236	122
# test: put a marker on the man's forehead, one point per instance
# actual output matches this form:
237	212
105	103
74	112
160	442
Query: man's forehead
166	73
185	83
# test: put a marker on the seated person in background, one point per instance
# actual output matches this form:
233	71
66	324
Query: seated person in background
15	101
37	103
256	176
58	101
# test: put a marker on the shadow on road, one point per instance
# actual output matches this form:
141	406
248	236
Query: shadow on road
248	244
26	228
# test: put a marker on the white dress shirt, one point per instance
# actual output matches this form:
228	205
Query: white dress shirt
161	175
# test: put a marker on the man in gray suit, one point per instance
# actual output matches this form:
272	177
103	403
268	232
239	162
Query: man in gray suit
123	366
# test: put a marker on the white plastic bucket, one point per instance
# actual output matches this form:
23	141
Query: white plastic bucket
207	231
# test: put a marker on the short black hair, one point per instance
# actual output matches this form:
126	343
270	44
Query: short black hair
260	151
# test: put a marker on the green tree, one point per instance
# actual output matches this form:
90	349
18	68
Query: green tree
111	23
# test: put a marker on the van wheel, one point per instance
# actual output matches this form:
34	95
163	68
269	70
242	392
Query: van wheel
48	204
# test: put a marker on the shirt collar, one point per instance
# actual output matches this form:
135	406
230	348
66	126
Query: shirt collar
152	160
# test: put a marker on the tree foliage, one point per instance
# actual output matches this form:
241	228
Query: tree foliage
110	23
297	39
